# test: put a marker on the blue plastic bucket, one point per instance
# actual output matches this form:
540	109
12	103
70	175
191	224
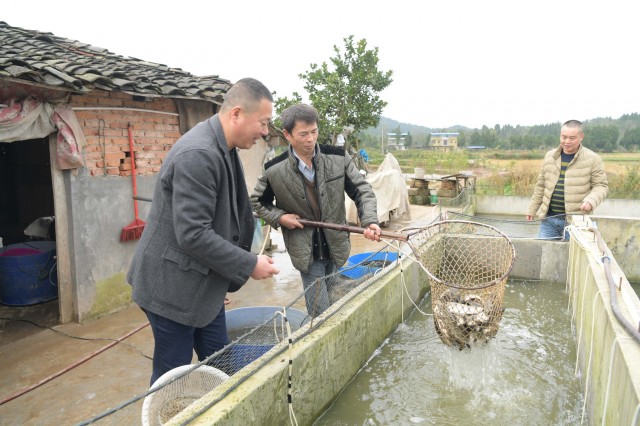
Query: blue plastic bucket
244	319
28	273
362	264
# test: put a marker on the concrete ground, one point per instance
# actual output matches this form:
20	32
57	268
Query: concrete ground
68	374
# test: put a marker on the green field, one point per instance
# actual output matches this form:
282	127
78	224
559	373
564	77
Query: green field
502	172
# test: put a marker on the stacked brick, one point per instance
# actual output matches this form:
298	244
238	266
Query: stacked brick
104	116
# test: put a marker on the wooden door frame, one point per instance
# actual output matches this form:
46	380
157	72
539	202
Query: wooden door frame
66	286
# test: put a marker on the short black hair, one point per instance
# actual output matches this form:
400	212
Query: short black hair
573	123
247	92
298	112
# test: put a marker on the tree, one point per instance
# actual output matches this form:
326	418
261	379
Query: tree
462	139
280	104
631	137
601	138
346	94
408	142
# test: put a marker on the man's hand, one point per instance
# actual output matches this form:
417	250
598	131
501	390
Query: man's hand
529	217
290	221
264	268
585	207
372	232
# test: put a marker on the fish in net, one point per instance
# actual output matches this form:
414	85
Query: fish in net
468	264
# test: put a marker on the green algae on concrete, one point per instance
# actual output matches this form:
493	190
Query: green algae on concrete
111	294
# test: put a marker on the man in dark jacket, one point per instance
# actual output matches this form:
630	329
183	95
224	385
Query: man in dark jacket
309	181
197	239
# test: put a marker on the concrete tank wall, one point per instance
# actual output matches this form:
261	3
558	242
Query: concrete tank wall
617	220
497	204
608	355
325	359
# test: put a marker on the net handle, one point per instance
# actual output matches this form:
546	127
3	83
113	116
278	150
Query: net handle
352	229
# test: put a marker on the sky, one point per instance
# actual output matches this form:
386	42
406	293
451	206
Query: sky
464	62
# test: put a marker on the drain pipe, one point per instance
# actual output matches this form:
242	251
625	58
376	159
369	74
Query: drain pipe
606	261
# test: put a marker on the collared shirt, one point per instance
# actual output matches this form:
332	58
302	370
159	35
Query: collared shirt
308	172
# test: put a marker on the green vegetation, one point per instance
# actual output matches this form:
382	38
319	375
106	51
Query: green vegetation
431	161
601	135
346	95
511	172
346	92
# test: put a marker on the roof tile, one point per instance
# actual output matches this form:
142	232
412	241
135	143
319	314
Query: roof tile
45	58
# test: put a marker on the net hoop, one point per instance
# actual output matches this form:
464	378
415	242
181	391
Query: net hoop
418	240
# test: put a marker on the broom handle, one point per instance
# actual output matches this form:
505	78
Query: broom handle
352	229
133	171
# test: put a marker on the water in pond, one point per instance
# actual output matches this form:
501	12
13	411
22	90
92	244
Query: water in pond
524	376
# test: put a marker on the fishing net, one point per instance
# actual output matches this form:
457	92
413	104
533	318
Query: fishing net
332	288
176	390
253	331
468	264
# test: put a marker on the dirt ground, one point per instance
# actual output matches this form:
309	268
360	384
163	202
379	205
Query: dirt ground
67	374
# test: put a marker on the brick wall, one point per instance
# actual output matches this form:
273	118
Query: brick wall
107	150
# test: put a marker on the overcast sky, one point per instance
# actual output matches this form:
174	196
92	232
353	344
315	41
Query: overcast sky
465	62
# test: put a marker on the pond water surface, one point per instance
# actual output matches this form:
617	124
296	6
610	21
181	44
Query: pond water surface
524	376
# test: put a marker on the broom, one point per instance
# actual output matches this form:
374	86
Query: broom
133	231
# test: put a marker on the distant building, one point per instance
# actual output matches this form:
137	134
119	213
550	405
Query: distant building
396	141
444	141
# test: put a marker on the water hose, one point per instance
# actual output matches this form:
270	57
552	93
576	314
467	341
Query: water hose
606	261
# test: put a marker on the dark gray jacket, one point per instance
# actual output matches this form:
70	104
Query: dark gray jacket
197	238
335	174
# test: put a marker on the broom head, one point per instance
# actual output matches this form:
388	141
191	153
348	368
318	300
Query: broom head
132	231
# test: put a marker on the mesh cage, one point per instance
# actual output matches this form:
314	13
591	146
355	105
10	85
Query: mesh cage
253	331
176	390
468	264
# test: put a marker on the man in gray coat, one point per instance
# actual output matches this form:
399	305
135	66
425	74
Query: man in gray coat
196	243
309	181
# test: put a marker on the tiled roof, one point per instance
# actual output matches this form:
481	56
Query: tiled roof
45	59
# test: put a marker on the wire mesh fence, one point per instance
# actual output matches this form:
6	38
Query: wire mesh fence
464	199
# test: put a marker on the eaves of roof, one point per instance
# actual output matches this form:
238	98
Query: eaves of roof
44	59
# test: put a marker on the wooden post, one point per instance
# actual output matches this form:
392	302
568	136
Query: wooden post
63	250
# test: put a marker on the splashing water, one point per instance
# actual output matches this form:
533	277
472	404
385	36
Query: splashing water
525	375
